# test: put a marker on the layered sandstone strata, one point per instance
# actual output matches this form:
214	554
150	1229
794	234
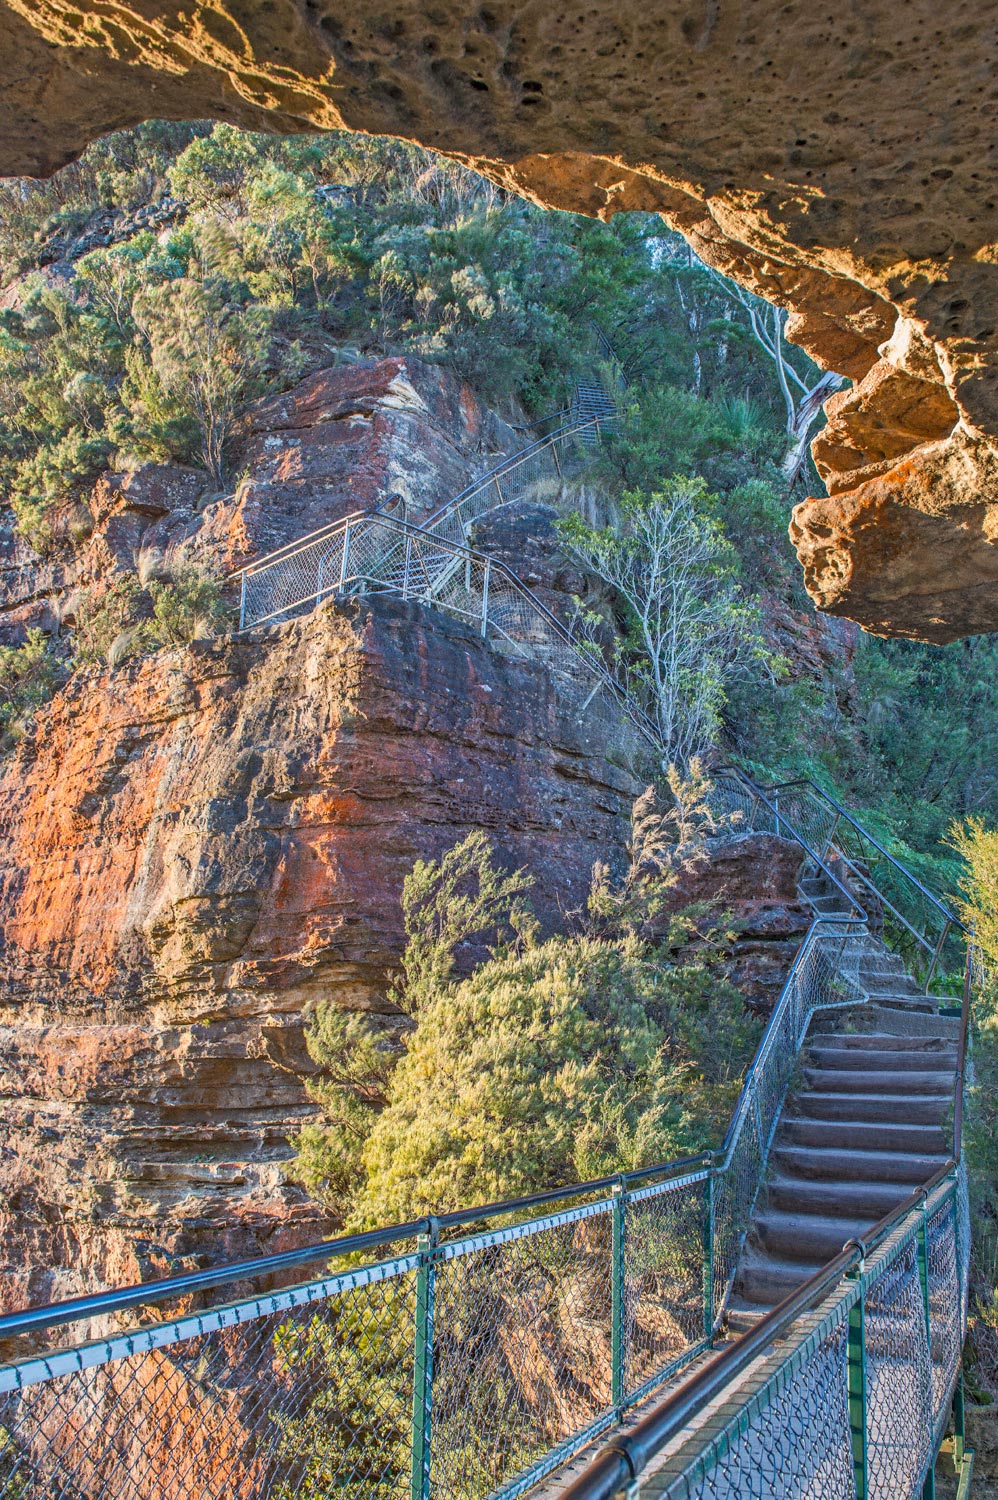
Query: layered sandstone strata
196	848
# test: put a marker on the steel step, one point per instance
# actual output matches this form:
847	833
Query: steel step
861	1135
874	1080
764	1280
832	1060
883	1040
870	1200
811	1238
870	1109
813	1162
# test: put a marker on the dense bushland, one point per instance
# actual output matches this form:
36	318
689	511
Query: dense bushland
616	1046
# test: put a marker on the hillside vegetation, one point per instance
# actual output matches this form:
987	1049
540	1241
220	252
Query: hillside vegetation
176	273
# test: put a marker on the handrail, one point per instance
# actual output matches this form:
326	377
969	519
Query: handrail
75	1309
841	924
622	1460
842	812
798	838
441	514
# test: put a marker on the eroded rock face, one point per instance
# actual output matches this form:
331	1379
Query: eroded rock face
344	439
836	162
200	845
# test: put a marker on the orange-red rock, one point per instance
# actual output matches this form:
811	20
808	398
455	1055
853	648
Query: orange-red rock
196	847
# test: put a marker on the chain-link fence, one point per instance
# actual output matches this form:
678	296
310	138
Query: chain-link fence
362	553
855	1401
462	1370
912	920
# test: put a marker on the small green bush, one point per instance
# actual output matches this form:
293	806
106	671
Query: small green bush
29	675
185	606
108	625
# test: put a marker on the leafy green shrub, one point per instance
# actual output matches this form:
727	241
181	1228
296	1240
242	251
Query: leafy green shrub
186	605
52	477
977	844
29	675
108	626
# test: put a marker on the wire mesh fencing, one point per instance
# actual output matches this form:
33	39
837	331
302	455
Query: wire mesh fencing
910	919
818	981
364	553
463	1370
853	1404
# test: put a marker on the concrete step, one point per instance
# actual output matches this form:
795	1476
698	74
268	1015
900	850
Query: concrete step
861	1135
825	1104
874	1080
857	1166
810	1238
831	1060
869	1200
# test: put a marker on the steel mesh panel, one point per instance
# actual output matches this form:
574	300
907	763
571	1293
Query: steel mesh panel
791	1440
522	1352
898	1376
664	1255
734	1194
944	1307
308	1400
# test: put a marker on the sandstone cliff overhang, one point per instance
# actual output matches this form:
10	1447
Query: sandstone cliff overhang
837	161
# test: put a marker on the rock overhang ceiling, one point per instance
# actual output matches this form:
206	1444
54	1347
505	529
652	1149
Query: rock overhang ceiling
839	161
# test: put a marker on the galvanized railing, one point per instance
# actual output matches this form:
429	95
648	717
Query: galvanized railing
466	1365
357	552
912	919
850	1384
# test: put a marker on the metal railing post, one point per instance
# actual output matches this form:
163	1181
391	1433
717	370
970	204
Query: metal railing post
937	952
708	1255
345	562
557	460
422	1389
242	603
485	599
831	834
959	1421
856	1366
408	567
922	1251
618	1307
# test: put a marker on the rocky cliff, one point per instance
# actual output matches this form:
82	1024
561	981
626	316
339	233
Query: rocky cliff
198	844
201	842
835	162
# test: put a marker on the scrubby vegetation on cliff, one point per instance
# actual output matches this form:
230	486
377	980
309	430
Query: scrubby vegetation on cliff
615	1046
